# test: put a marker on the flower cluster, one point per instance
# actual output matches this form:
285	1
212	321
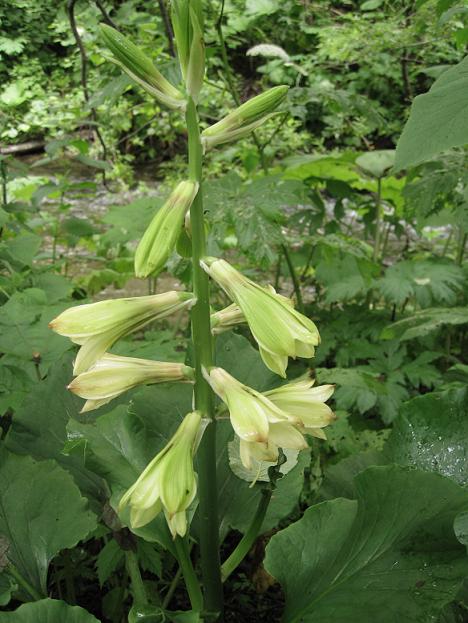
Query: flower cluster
275	419
264	422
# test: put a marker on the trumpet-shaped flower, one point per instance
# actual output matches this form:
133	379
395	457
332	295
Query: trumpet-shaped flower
279	329
161	236
261	425
112	375
96	326
303	402
140	68
275	419
244	119
169	482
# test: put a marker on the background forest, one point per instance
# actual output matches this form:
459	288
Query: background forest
368	240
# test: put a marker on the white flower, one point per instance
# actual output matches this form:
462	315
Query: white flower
278	418
112	375
96	326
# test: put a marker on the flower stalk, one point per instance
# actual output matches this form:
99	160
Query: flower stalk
203	395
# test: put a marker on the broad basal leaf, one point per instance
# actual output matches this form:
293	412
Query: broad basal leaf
438	119
430	434
48	611
39	427
389	555
41	513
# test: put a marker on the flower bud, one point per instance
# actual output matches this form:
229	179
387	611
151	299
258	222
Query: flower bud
140	68
169	482
187	21
280	330
96	326
244	119
226	319
112	375
161	236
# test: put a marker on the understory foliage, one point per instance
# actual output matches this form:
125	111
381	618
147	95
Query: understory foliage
337	204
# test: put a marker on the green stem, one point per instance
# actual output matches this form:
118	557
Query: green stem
249	538
447	242
232	87
378	220
190	578
68	569
3	175
203	355
278	271
172	587
295	280
461	247
138	588
23	582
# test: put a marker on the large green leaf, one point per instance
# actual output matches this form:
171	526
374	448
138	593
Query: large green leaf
39	427
24	330
430	434
48	611
438	119
389	555
41	513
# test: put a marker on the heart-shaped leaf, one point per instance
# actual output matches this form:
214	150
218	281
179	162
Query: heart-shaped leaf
41	513
48	611
389	555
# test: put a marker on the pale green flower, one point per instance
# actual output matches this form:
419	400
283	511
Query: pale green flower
257	421
169	482
160	238
279	329
278	418
140	68
244	119
306	403
96	326
112	375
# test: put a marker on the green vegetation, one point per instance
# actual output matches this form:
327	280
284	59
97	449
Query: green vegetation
161	163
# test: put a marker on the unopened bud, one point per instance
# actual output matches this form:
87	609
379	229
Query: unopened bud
161	236
226	319
187	21
140	68
243	120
